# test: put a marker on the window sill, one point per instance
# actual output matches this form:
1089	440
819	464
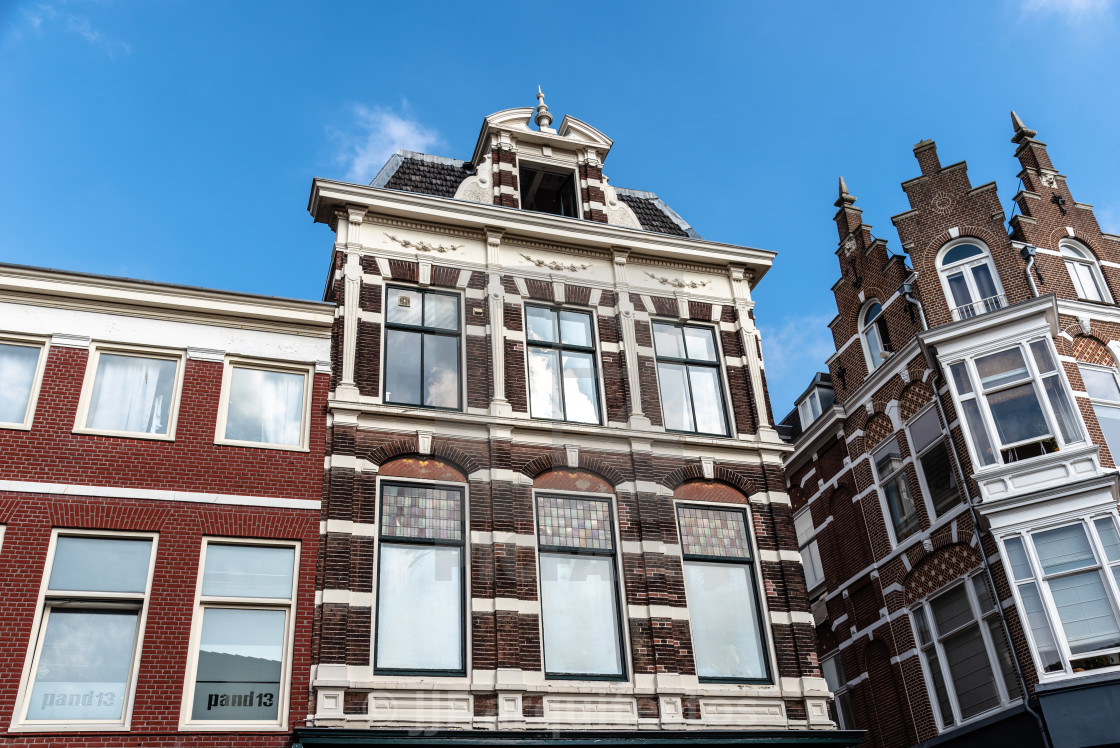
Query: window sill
71	727
169	437
16	426
262	445
232	727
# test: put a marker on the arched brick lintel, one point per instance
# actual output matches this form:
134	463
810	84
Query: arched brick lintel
558	459
695	472
441	450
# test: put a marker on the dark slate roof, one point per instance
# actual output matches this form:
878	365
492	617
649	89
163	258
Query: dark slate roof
409	171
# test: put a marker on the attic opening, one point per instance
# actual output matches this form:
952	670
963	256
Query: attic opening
548	190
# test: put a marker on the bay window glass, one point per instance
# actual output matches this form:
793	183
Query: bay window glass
810	553
688	374
580	614
132	394
265	406
563	381
1083	271
88	639
422	331
19	366
896	489
1101	385
937	472
420	580
725	615
969	280
242	629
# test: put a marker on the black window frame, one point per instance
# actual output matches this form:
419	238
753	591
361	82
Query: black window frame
464	570
718	365
423	330
560	347
563	170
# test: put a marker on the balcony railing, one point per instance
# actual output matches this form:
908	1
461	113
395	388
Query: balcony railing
976	308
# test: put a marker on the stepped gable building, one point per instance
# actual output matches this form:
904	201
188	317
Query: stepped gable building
161	470
556	507
954	479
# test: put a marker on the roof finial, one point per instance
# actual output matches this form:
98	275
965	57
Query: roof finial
543	118
1022	132
845	197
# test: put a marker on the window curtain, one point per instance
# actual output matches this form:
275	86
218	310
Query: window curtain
131	393
265	406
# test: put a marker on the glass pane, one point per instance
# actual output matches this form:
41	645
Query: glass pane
248	571
402	367
803	526
404	307
1042	358
811	559
1090	289
417	511
1063	410
581	398
726	639
100	564
985	286
874	346
706	531
960	252
940	479
265	406
1110	540
971	671
441	371
676	405
420	608
1109	419
1017	557
998	369
668	340
962	297
925	429
938	677
833	671
574	523
240	653
1100	384
84	665
983	597
1085	612
17	375
1063	549
541	324
1068	250
544	384
131	393
700	343
951	610
922	625
1018	414
983	445
900	504
579	615
707	400
961	379
888	459
441	311
1003	655
845	720
1040	628
872	313
575	328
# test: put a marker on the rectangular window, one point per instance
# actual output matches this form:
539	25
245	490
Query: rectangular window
723	600
420	586
563	379
963	649
131	393
1101	385
548	190
580	613
937	472
241	638
21	373
833	670
422	330
264	406
688	373
810	554
896	490
86	649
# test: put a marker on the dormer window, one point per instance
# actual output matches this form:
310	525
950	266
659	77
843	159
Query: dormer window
873	330
1084	272
810	408
548	190
970	283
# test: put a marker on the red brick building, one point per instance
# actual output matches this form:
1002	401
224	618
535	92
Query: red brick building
161	452
954	483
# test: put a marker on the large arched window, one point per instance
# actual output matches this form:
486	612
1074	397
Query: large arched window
873	330
1084	272
971	284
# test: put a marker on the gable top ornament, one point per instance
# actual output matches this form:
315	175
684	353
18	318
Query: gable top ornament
544	117
1022	132
845	198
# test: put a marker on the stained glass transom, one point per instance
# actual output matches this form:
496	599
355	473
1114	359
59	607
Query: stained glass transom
713	532
574	523
422	512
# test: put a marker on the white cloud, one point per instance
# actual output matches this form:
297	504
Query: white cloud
41	15
1075	10
377	134
795	348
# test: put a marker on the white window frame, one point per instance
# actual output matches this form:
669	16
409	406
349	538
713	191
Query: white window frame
1075	253
1097	402
965	266
871	327
919	468
19	722
1035	380
600	393
888	520
1039	579
807	544
201	603
384	353
555	166
29	341
166	354
809	409
239	362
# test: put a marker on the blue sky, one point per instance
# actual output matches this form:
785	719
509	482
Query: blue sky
177	141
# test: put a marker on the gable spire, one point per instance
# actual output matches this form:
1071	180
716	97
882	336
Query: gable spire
845	198
1022	132
544	117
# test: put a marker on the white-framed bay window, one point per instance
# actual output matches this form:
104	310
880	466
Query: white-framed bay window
239	669
1067	581
964	652
1016	403
84	653
22	360
265	405
131	391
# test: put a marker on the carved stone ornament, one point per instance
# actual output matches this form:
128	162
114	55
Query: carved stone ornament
571	267
849	245
942	203
422	246
1048	180
677	282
